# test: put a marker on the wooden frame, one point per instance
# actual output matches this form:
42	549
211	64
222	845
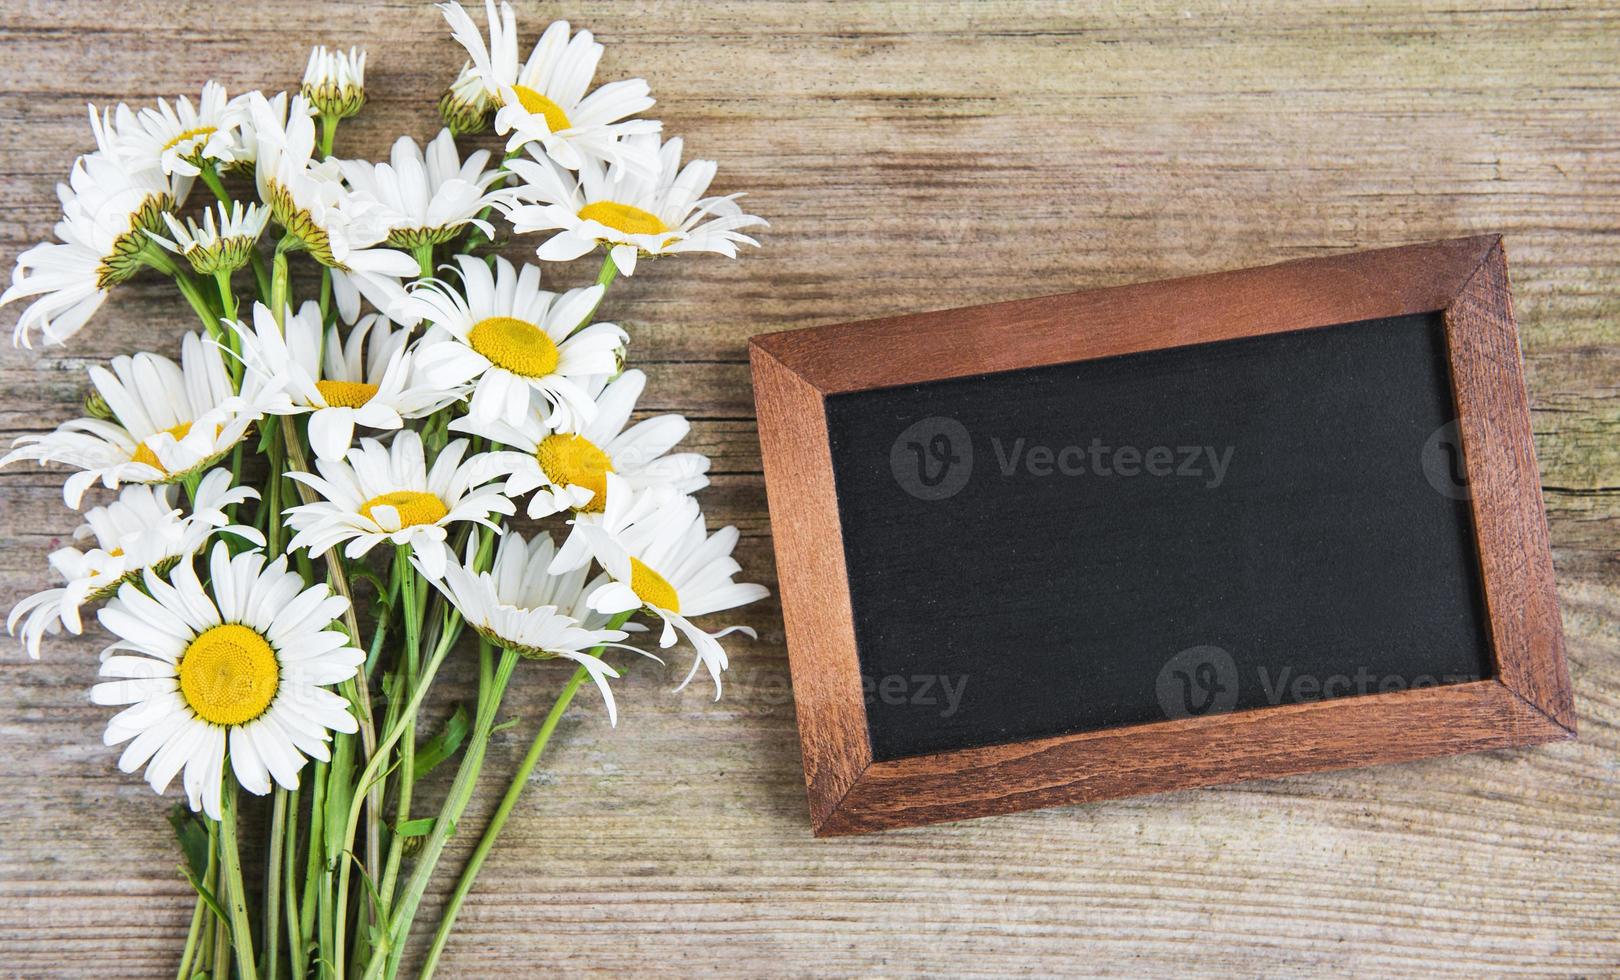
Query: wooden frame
1528	700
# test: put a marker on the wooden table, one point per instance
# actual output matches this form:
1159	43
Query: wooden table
915	156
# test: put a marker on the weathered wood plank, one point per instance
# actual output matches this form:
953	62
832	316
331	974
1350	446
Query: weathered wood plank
914	156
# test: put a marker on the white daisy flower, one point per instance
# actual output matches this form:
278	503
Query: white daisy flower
107	209
169	421
521	607
545	99
515	339
631	214
464	106
335	82
309	200
142	529
244	663
426	198
568	470
336	381
383	493
242	141
655	546
211	247
178	139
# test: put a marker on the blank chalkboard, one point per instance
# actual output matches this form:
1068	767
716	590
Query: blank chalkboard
1259	507
1160	536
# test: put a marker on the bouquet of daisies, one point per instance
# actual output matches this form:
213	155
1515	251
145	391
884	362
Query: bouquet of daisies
292	527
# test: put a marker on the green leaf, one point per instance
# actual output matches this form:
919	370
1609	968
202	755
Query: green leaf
192	837
503	726
420	827
207	896
443	745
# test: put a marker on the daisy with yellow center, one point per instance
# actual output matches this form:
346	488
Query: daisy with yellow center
142	529
661	558
631	214
242	665
364	379
380	493
514	342
169	421
548	100
517	605
108	207
567	471
181	138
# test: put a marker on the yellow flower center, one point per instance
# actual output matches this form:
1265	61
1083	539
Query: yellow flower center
346	394
414	507
538	105
570	459
144	453
516	345
652	588
229	675
623	217
188	134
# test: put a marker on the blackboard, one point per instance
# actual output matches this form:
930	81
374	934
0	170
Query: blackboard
1266	497
1160	536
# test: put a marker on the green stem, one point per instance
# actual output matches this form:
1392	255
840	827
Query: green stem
329	125
231	861
370	778
278	283
492	690
520	779
272	883
424	259
210	176
289	891
313	864
412	618
604	278
197	921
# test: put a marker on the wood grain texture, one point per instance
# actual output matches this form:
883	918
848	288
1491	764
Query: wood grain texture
917	156
1466	279
1493	419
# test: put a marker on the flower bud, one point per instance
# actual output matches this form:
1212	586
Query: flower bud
335	82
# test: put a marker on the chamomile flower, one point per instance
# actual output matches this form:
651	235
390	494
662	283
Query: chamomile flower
169	421
630	214
309	200
568	470
335	82
545	101
222	247
380	493
662	559
244	664
514	339
107	209
519	606
179	139
464	106
337	382
426	198
142	529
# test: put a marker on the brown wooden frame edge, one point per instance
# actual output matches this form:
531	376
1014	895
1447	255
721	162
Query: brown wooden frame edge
1528	701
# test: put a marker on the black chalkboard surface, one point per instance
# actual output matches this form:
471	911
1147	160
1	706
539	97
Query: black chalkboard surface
1259	508
1160	536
